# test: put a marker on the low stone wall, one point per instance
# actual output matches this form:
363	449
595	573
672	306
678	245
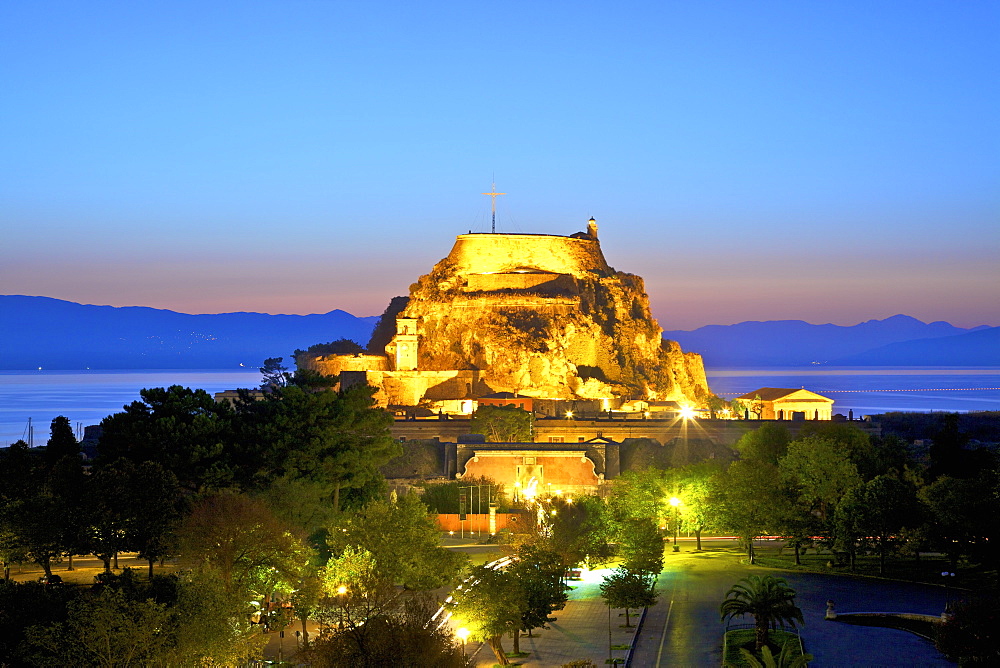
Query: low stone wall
475	522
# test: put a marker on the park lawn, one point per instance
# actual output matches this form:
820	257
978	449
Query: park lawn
927	569
747	637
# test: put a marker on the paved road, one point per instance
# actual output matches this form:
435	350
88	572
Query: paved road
683	629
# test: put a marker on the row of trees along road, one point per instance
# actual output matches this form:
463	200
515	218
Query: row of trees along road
832	487
860	495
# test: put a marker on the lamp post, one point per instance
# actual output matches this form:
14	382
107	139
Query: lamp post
463	633
341	591
675	502
610	660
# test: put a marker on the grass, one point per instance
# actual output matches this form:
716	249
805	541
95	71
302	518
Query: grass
926	629
746	638
927	569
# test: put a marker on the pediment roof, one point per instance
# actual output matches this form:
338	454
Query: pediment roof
784	394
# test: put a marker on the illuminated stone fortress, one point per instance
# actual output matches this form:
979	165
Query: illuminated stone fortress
534	315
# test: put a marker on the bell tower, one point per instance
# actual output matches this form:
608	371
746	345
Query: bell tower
406	344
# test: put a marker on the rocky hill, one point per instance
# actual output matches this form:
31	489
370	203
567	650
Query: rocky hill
546	316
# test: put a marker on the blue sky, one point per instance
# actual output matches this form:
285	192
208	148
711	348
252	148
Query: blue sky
832	162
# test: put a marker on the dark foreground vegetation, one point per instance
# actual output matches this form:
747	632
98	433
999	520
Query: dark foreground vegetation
274	509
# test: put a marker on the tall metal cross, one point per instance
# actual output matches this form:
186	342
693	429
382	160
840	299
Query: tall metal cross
493	195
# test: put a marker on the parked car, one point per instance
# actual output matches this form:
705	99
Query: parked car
51	580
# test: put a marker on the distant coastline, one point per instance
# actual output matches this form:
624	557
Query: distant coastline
57	334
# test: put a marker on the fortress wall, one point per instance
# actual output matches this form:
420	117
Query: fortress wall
506	253
407	388
547	305
522	281
333	365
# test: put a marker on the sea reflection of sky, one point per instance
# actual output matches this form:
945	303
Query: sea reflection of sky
86	397
874	389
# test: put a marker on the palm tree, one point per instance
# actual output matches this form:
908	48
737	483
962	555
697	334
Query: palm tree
769	599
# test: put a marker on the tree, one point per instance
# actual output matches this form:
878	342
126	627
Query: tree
184	430
853	441
693	485
964	515
641	547
878	509
627	589
580	531
106	629
402	639
244	543
155	504
44	517
490	605
353	583
948	452
639	494
769	600
821	471
25	605
109	512
275	374
310	432
131	506
540	573
212	625
767	443
62	442
970	635
748	499
404	541
503	424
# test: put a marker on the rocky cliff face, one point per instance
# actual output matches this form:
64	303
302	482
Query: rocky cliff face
545	316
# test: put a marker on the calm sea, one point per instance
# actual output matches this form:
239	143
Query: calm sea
85	397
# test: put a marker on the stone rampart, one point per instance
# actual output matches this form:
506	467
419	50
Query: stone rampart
537	281
510	253
333	365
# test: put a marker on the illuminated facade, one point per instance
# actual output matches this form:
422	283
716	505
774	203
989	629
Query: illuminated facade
776	403
533	315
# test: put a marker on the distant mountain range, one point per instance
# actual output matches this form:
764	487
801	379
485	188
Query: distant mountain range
56	334
896	341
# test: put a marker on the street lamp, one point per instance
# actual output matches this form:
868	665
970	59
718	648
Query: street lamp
675	502
463	633
341	591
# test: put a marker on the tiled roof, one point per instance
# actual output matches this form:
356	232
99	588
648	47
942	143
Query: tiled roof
777	393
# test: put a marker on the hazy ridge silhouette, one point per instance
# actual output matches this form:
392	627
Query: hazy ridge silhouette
57	334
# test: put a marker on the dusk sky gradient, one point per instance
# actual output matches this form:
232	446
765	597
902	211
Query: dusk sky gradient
831	162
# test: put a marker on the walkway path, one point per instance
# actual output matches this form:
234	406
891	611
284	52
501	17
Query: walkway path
579	632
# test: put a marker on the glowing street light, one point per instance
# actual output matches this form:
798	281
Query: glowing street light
463	634
341	591
687	413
